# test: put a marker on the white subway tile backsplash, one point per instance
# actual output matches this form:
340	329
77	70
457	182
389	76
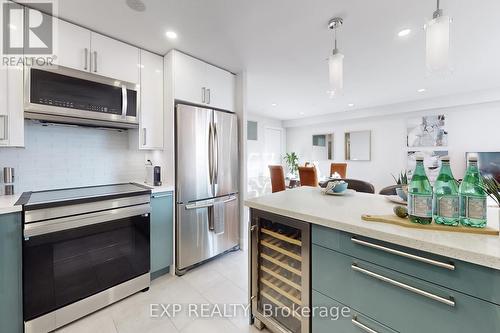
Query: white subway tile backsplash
57	156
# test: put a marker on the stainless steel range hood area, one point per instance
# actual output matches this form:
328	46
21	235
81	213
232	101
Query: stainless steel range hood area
69	96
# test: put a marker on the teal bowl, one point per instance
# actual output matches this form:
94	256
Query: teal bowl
340	187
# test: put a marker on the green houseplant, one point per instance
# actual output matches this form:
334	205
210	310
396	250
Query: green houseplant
492	187
292	162
402	182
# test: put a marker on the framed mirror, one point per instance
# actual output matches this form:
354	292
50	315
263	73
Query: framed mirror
358	146
322	147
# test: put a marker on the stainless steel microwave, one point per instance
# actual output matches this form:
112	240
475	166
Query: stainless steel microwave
65	95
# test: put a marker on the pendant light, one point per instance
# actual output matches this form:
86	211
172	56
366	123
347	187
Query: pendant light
336	62
437	39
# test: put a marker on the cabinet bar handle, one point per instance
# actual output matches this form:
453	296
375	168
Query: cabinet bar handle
447	301
95	61
144	137
363	327
4	121
203	93
451	267
208	99
86	58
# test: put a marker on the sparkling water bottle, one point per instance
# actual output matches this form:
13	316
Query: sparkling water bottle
446	199
420	195
473	197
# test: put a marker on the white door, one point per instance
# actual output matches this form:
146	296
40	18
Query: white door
190	79
114	59
151	123
273	146
221	88
73	46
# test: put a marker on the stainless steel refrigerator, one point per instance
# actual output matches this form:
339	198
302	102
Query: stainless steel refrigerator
207	175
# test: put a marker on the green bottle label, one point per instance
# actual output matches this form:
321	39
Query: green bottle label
419	205
475	208
448	206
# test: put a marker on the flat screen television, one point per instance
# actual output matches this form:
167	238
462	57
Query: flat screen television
488	162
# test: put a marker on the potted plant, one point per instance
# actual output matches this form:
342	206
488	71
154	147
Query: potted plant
292	163
492	187
402	182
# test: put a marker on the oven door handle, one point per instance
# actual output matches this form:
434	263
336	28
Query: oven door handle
72	222
124	101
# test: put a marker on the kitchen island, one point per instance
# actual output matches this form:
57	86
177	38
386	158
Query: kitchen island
393	279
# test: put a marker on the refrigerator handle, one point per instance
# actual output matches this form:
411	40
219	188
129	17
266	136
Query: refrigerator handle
216	149
211	224
210	153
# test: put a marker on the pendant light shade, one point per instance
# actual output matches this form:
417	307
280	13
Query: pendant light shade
437	38
336	69
336	62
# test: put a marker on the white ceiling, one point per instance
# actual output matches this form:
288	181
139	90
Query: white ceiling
283	46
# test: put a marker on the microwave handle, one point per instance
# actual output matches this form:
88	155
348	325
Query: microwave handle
124	101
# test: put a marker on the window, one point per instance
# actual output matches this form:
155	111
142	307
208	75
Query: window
252	130
319	140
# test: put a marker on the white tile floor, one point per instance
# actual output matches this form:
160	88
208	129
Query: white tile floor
222	281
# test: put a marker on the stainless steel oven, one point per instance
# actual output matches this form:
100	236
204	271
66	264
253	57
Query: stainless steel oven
65	95
78	258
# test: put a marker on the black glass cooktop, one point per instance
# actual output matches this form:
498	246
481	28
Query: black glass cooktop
80	194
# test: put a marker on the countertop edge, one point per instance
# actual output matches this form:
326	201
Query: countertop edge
439	249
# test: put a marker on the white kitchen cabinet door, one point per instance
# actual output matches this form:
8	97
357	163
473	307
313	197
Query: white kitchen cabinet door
151	119
189	79
114	59
11	106
73	46
221	88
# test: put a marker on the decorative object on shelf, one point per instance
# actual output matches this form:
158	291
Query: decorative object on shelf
336	61
437	42
427	131
292	162
393	219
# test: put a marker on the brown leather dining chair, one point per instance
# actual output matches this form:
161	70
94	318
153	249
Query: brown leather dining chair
340	168
277	178
308	176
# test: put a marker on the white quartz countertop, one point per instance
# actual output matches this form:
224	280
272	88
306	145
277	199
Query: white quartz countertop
158	189
7	204
344	213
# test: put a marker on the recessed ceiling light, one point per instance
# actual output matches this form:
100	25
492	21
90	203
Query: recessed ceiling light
171	34
136	5
421	90
350	105
274	104
404	32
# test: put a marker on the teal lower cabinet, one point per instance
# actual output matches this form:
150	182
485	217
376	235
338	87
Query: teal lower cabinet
387	298
11	311
332	316
161	233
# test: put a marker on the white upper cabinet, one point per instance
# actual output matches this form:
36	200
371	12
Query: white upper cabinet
114	59
11	106
201	83
221	85
151	113
73	46
190	78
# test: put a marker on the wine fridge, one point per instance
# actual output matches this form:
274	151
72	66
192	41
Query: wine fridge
280	273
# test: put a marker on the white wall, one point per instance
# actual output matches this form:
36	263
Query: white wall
258	178
471	128
58	156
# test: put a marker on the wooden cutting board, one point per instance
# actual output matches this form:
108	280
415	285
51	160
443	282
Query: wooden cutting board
393	219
